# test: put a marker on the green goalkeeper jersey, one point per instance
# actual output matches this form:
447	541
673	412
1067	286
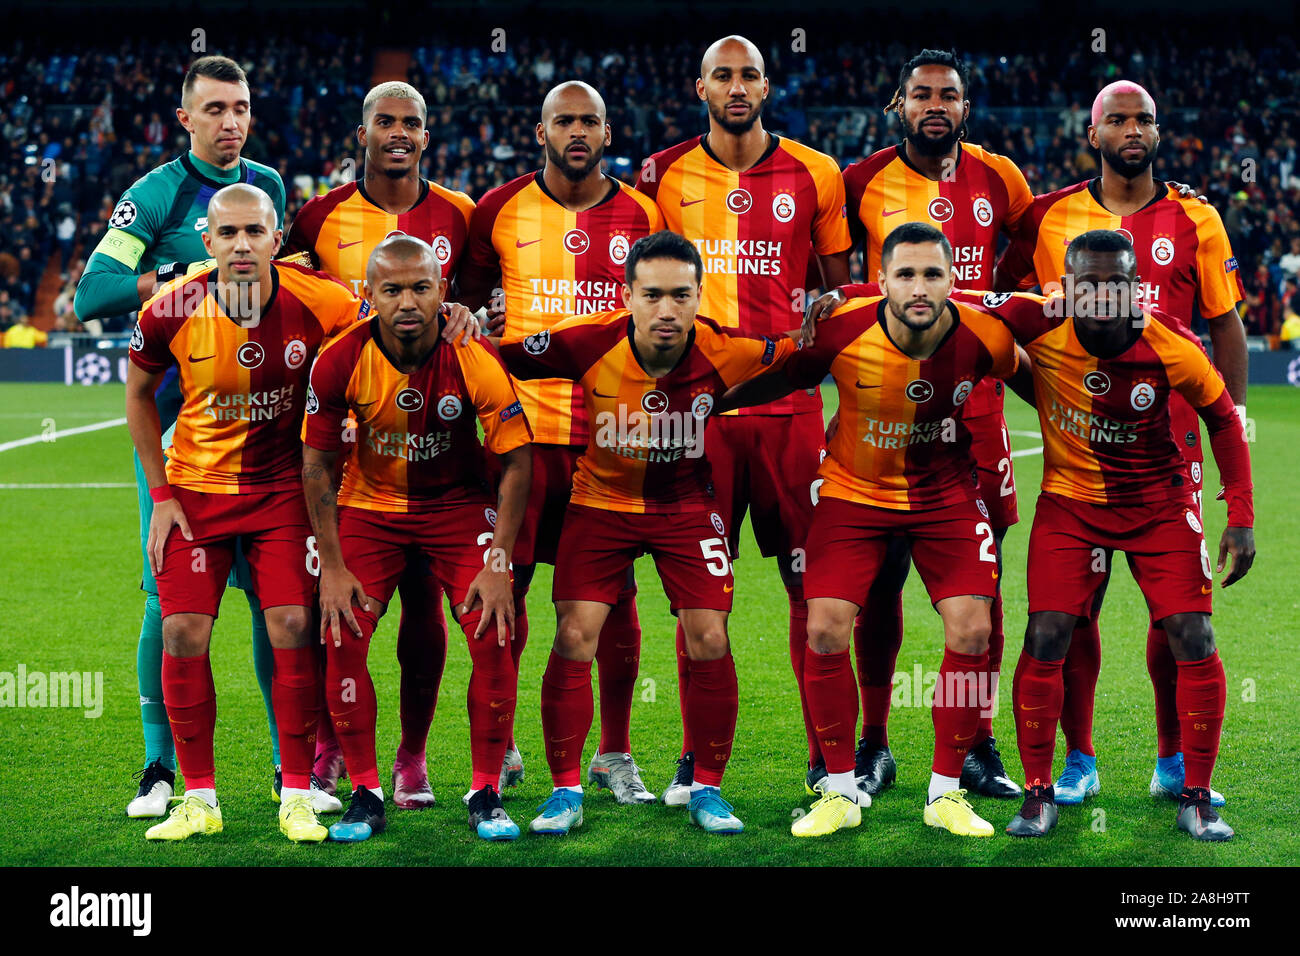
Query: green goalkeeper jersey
161	219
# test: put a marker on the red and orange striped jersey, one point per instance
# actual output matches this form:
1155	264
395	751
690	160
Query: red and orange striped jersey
1184	260
1105	421
416	437
986	195
341	228
901	444
646	450
243	389
553	263
755	231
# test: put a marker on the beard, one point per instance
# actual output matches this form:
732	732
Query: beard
902	315
1126	168
571	173
734	126
927	145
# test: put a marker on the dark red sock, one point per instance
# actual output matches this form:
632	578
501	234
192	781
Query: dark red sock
1079	673
1036	692
422	655
833	701
296	699
1202	693
1164	680
493	686
711	716
956	710
350	695
683	687
519	643
567	711
997	639
618	654
192	710
877	638
798	647
326	741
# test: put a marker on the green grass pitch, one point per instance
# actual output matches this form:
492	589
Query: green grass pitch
70	602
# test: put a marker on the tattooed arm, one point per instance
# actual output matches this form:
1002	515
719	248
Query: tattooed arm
339	588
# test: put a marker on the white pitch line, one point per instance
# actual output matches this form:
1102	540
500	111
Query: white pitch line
1025	434
33	486
1026	451
37	439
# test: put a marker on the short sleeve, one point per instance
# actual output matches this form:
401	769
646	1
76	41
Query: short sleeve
505	426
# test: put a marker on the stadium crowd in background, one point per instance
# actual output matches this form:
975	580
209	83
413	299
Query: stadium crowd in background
82	121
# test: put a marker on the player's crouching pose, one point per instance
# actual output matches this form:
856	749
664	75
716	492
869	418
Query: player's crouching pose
651	375
417	482
1113	479
899	464
243	336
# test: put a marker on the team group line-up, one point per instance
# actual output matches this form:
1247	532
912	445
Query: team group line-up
418	394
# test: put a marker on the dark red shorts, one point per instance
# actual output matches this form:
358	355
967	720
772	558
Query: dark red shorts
1071	544
548	497
766	465
690	553
952	547
275	532
452	542
991	448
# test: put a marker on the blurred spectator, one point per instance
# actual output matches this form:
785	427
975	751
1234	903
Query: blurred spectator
24	335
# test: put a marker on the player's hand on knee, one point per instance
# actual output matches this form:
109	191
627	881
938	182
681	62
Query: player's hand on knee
494	590
166	515
339	591
461	324
1240	543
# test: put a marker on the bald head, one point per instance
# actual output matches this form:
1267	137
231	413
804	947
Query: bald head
1100	106
735	51
733	86
405	286
402	253
574	132
240	202
573	96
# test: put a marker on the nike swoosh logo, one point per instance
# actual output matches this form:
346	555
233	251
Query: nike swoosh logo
602	394
822	730
1206	590
364	404
1039	707
860	385
692	202
725	743
892	212
560	740
202	358
633	644
728	588
962	740
520	245
1200	713
496	704
344	245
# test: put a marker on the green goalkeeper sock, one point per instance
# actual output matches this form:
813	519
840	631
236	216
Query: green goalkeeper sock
158	743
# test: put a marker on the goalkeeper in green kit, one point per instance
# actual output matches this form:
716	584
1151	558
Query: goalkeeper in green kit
155	235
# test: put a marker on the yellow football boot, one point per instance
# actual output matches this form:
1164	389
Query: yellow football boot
832	812
298	820
192	815
954	814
